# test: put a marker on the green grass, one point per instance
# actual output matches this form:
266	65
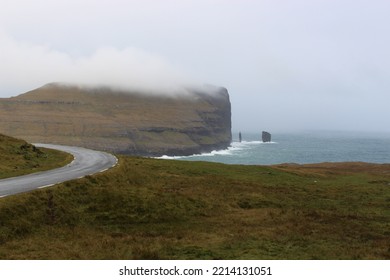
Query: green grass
17	157
162	209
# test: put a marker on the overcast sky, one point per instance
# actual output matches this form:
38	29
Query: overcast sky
288	64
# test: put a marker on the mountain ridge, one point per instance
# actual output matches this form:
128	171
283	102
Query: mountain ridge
127	122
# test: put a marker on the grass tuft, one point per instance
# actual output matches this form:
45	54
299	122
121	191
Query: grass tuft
17	157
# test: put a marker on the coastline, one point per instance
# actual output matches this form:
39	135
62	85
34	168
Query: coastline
304	148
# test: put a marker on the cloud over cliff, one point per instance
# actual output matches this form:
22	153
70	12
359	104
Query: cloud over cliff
26	66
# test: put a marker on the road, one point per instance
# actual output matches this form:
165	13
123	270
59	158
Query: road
86	162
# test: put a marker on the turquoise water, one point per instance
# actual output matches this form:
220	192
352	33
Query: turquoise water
302	148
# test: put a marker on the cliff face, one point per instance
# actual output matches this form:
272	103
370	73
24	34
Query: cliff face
122	122
266	136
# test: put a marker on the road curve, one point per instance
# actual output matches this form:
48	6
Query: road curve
86	162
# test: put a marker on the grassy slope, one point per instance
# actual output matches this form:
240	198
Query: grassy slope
17	157
115	121
160	209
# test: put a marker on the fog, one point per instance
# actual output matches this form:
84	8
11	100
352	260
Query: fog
27	66
289	65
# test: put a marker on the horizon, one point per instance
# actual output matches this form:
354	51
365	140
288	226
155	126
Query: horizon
287	65
318	132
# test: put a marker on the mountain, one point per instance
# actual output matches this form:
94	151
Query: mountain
126	122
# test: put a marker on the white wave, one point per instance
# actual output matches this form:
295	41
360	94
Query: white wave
228	151
169	157
231	150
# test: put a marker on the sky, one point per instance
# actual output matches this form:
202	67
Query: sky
289	65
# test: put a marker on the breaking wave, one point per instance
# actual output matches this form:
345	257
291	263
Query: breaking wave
233	150
301	148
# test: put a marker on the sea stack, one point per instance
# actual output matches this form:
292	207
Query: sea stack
266	136
239	137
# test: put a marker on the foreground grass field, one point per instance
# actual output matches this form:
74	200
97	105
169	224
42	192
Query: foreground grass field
17	157
162	209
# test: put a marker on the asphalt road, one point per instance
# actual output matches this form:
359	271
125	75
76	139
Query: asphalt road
86	162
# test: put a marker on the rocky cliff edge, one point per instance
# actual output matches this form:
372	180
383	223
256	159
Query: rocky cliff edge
128	122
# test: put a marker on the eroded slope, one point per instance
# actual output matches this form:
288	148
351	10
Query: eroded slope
119	121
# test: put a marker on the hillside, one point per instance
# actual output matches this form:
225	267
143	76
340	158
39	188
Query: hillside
18	157
118	121
163	209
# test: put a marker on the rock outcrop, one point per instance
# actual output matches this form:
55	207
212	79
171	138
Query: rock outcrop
266	136
121	121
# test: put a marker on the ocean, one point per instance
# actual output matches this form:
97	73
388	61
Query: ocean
305	147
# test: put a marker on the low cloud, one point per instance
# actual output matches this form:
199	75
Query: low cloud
27	66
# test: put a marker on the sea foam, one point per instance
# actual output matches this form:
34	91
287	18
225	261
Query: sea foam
232	150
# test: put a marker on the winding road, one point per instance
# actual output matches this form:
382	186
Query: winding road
86	162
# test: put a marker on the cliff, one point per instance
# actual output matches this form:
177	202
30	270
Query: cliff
121	121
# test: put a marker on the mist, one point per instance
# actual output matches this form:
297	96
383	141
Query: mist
288	64
26	66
